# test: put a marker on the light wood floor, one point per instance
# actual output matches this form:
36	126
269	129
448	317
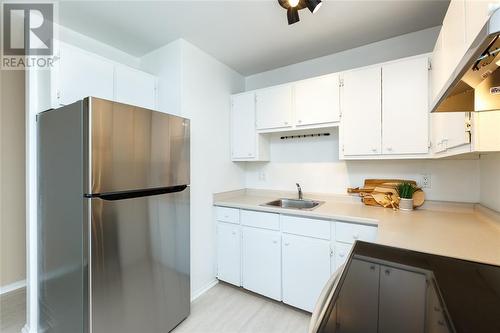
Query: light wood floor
13	311
222	309
227	309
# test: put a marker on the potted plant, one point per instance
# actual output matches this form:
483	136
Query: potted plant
405	192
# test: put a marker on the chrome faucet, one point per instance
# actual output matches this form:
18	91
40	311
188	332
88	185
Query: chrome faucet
300	191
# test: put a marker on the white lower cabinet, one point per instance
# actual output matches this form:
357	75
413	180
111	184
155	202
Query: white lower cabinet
306	269
283	257
229	253
341	254
261	261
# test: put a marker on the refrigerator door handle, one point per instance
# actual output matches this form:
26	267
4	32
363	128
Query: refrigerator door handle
112	196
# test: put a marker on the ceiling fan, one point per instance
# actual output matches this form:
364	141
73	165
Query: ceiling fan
293	6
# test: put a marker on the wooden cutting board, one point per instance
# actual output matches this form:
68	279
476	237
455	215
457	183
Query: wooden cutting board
374	189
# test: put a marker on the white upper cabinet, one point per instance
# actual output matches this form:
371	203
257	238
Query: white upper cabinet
135	87
81	74
405	107
476	15
246	143
454	39
243	136
450	47
317	101
274	107
361	125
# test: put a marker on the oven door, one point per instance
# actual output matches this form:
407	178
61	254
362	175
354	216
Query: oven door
324	300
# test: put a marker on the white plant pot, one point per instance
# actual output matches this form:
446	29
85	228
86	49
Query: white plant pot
406	204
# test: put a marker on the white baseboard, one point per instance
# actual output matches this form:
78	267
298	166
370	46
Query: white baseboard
204	289
13	286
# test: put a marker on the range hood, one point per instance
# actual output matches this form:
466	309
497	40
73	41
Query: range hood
475	83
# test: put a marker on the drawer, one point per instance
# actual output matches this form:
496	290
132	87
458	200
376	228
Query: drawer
260	220
225	214
306	227
350	232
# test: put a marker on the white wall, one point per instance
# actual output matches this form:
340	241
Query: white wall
490	181
206	85
166	63
314	163
84	42
398	47
12	179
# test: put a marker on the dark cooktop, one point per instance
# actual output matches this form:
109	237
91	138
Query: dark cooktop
391	290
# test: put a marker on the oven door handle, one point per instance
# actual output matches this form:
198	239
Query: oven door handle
324	300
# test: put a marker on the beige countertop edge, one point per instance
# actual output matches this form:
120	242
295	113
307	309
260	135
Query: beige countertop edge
461	230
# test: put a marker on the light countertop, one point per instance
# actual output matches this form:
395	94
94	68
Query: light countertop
464	231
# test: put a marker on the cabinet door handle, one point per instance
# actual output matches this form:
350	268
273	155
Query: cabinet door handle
234	232
275	242
389	148
341	255
286	122
286	244
387	272
355	236
300	121
374	150
372	267
249	154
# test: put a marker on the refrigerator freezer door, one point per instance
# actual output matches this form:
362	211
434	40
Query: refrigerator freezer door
131	148
140	263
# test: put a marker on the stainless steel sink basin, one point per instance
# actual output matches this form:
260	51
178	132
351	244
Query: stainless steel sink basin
294	204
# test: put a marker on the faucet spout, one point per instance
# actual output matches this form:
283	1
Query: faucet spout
299	189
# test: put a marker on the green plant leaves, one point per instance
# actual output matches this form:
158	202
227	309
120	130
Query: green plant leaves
406	190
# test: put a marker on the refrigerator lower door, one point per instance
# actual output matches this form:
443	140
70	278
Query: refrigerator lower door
140	267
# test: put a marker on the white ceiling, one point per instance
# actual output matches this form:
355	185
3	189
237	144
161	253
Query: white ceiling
250	36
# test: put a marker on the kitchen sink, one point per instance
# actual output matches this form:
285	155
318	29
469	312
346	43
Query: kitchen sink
294	204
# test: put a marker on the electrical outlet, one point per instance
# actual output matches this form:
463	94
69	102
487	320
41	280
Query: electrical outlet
425	180
262	176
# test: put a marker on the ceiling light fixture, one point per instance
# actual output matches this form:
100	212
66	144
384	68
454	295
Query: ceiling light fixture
293	6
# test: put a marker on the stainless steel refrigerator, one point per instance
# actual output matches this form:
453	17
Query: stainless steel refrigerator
113	184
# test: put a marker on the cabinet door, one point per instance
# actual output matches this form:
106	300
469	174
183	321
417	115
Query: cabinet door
476	15
274	107
359	295
306	269
243	136
83	74
402	301
405	107
229	253
341	253
449	130
135	87
361	112
261	255
438	71
317	100
454	40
